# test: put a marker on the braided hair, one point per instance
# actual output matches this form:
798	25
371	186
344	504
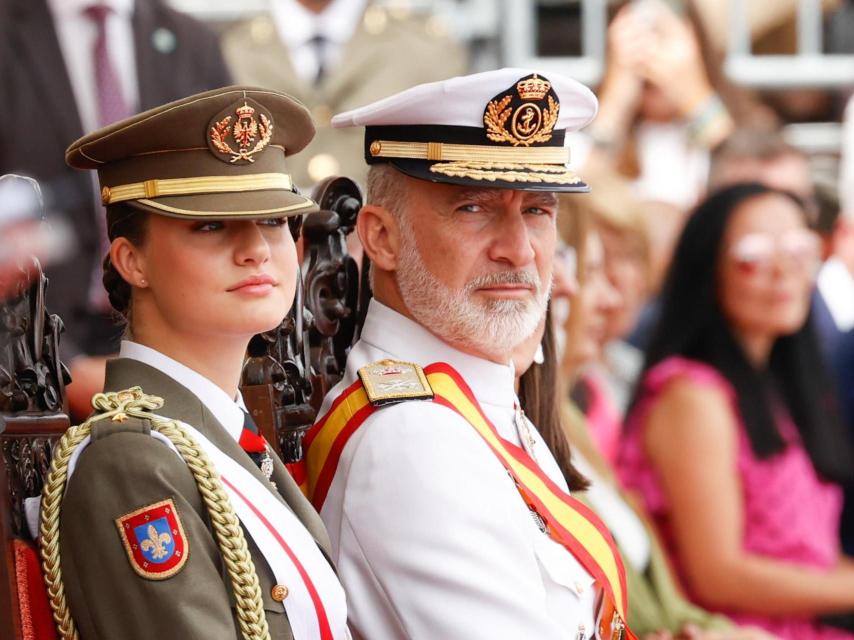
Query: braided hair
122	222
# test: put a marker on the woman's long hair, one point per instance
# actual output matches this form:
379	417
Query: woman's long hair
538	397
692	324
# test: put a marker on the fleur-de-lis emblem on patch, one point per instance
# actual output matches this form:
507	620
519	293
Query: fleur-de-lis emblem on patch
250	133
155	543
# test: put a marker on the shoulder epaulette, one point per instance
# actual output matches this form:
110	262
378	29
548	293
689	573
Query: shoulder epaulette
392	381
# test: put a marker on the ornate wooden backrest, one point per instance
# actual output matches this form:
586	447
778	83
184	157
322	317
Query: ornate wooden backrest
291	368
32	418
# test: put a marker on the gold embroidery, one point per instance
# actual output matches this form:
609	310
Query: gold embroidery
492	172
389	381
244	133
529	123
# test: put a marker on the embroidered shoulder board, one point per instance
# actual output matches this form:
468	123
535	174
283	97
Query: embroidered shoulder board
391	381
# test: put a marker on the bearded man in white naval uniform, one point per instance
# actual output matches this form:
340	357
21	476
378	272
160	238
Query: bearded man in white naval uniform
430	534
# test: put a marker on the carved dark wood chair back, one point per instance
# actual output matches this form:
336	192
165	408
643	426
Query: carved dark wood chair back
32	418
291	368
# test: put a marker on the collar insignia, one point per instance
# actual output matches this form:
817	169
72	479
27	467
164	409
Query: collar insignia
523	115
237	133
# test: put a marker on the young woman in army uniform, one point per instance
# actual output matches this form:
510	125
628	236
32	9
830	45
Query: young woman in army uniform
166	515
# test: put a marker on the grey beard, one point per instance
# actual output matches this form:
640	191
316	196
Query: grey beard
490	327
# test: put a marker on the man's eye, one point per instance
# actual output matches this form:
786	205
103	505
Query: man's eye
471	208
538	211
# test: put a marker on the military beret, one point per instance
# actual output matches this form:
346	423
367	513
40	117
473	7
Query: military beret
503	128
217	154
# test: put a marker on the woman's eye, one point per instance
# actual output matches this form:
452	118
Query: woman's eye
273	222
206	227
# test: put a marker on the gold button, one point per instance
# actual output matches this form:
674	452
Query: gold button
579	588
322	166
279	592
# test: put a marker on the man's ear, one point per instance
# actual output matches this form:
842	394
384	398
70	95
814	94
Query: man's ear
128	260
379	232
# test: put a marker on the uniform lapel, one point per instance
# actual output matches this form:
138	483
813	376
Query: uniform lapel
356	55
152	67
38	46
181	404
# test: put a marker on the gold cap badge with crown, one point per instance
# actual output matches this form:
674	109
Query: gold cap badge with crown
245	131
526	118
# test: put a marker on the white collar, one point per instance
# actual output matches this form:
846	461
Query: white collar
65	8
406	340
337	22
228	411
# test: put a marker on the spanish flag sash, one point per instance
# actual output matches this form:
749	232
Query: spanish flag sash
569	522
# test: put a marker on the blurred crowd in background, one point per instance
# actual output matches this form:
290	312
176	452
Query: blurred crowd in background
702	323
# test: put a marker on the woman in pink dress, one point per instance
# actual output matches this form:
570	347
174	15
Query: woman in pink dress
731	441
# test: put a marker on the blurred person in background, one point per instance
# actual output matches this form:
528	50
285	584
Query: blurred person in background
24	236
585	333
836	279
664	104
334	55
621	223
732	442
758	155
74	66
657	611
843	359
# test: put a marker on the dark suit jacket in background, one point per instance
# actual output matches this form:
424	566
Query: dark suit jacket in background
40	120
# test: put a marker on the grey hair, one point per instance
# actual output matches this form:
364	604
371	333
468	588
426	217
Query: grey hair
386	188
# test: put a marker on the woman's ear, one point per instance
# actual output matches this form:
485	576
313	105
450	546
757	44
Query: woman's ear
379	231
129	261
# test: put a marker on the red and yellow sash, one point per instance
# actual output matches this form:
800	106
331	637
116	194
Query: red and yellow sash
569	522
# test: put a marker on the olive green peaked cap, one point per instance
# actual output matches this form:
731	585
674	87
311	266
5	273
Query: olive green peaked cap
218	154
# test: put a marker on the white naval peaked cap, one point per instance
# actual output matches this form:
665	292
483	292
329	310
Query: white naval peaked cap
502	128
460	102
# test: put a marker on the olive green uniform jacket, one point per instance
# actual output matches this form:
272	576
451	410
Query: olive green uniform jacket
125	469
390	51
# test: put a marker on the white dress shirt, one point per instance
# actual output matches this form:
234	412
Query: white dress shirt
77	34
846	169
836	285
227	411
296	27
429	532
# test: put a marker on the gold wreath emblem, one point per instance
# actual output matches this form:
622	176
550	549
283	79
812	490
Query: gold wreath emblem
244	132
524	128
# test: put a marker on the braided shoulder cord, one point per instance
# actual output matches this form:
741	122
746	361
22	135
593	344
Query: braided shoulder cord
229	534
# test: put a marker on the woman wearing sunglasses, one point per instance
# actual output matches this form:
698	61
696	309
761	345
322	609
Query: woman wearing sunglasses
731	440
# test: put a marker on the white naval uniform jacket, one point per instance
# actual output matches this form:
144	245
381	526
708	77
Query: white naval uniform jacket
430	535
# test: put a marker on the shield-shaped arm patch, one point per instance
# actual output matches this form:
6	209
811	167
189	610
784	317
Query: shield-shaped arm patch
154	540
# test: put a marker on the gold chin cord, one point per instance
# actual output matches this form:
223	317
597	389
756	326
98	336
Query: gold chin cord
118	407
